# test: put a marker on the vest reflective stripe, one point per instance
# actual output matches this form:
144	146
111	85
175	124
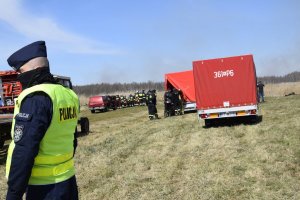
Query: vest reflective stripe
52	160
8	161
54	171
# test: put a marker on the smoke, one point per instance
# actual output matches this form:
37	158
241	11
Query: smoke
280	64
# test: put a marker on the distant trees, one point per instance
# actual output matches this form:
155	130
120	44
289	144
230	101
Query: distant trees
111	88
291	77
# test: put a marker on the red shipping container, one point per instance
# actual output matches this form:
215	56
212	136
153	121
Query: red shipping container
225	82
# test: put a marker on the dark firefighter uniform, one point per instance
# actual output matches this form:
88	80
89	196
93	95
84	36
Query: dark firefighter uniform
260	88
151	103
168	104
40	156
176	100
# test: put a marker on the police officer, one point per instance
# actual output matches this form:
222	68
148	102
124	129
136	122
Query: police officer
40	156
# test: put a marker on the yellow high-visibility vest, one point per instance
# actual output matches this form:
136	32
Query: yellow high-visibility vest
54	162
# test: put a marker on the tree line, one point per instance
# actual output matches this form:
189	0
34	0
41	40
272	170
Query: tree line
291	77
113	88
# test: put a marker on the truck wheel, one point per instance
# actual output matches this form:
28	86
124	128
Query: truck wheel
92	111
85	125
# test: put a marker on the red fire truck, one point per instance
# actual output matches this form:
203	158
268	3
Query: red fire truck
10	88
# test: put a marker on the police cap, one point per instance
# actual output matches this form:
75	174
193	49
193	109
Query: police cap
23	55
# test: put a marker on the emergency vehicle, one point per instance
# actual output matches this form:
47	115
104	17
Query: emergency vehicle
184	82
225	88
10	88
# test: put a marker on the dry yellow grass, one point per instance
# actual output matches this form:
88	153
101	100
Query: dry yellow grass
127	156
281	89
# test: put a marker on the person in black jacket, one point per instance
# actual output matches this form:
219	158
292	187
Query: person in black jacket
177	101
261	95
168	104
151	103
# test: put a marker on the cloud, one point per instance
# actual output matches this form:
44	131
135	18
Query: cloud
31	26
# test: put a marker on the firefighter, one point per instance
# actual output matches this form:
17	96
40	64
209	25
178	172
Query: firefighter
154	94
260	88
177	101
118	101
130	100
141	96
168	104
44	112
136	98
123	101
151	103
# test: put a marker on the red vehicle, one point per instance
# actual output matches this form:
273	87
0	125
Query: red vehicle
10	88
183	81
225	87
99	103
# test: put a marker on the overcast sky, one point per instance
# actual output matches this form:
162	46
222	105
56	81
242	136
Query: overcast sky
137	40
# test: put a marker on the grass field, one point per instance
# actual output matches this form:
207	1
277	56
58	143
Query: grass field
127	156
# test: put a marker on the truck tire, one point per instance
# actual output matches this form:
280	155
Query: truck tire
92	111
85	125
